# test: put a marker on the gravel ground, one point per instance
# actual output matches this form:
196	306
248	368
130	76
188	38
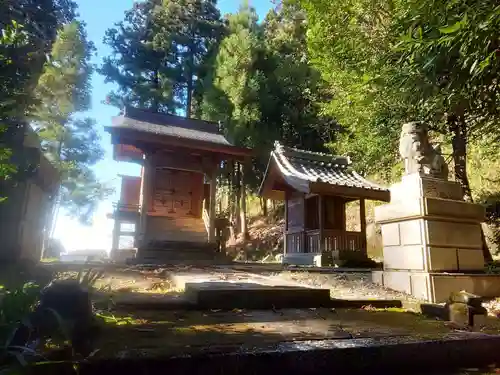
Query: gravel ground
345	285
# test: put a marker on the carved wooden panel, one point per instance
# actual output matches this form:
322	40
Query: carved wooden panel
177	193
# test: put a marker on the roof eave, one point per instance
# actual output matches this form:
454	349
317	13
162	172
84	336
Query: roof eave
174	141
350	191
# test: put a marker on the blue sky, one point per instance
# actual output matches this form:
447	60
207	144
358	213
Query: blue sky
99	15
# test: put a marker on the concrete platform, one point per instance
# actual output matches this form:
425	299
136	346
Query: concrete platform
436	287
292	341
402	355
221	295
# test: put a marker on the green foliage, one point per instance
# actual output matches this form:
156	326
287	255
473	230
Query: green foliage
159	51
262	87
189	30
70	142
143	74
393	61
16	304
88	278
27	32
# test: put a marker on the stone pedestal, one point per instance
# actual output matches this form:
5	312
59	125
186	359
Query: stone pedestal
432	241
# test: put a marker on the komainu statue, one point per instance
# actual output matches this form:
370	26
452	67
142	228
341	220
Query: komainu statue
418	154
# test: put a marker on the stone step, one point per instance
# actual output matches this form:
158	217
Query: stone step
181	245
224	295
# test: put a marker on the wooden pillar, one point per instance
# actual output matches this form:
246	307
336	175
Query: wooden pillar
211	211
321	223
362	218
115	244
285	227
147	185
304	247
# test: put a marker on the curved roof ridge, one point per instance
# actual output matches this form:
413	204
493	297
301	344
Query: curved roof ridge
283	163
368	182
311	155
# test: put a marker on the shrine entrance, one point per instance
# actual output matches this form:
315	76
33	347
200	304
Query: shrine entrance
173	201
316	189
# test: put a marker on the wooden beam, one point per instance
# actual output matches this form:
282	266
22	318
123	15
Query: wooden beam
362	217
349	191
116	235
133	137
211	213
321	214
147	186
285	227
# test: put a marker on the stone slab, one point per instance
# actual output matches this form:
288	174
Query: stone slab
430	207
416	186
381	355
451	234
213	295
437	287
302	259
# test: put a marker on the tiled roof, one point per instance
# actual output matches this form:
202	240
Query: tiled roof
299	167
169	125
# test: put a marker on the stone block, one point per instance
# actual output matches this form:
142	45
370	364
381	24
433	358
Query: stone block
399	210
221	295
398	280
452	234
404	258
390	234
442	259
411	232
420	287
436	188
470	259
415	186
445	284
378	277
302	259
454	209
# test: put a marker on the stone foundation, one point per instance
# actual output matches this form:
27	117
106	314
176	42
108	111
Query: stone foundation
432	241
437	287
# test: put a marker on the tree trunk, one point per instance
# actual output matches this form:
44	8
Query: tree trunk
263	206
458	130
237	199
156	85
189	80
243	205
231	202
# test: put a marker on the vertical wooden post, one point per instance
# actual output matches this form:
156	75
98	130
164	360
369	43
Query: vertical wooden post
304	245
285	227
362	217
321	223
116	233
147	185
211	213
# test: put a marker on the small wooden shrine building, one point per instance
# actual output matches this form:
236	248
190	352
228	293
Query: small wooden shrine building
173	201
316	188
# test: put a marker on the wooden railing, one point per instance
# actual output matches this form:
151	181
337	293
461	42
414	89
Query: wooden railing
313	241
332	241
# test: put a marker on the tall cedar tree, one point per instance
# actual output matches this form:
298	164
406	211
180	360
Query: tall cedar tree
190	30
71	143
144	74
263	89
28	29
159	52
